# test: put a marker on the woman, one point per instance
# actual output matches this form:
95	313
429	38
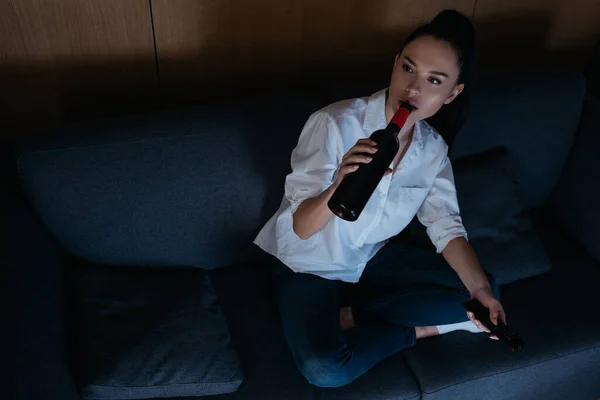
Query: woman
405	293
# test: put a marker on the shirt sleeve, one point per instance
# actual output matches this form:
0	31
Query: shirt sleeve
314	161
440	212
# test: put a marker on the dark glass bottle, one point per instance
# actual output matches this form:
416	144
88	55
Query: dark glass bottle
355	190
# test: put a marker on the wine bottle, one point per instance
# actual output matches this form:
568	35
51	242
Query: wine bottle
355	190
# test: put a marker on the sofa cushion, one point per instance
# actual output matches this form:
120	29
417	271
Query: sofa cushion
181	188
270	372
145	333
495	217
554	314
499	227
33	354
576	197
535	121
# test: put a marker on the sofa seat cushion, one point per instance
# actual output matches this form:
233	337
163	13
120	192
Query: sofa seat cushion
553	313
269	369
147	333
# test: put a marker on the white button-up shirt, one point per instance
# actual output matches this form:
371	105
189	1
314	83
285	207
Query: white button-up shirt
422	185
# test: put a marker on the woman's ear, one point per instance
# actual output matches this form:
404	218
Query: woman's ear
455	92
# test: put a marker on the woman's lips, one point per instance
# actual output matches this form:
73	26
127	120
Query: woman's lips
410	103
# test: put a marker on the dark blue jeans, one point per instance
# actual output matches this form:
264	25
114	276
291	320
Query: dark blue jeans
401	287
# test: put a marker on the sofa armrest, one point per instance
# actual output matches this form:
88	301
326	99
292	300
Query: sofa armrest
576	198
33	307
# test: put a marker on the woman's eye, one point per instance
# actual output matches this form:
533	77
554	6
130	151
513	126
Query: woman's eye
435	81
407	68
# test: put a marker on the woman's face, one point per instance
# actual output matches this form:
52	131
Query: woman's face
425	75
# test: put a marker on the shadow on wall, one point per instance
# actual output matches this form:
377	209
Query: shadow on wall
33	97
523	40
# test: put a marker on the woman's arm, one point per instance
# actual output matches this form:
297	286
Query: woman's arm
441	215
313	214
461	257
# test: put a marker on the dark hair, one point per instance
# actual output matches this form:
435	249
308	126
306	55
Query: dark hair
458	31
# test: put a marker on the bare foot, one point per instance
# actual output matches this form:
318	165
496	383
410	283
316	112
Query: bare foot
423	332
347	318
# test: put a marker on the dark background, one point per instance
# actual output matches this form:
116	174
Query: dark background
76	59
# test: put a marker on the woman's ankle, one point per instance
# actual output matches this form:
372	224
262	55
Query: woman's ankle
347	318
423	332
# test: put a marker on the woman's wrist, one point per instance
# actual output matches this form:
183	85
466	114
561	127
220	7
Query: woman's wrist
480	288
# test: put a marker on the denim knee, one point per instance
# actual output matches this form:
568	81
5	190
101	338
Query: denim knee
326	369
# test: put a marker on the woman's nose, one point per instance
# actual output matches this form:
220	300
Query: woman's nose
413	90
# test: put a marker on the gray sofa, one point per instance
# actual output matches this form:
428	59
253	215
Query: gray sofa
129	271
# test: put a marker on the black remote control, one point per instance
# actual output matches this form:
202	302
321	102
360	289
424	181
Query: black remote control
501	330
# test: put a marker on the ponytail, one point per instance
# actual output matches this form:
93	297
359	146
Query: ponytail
458	31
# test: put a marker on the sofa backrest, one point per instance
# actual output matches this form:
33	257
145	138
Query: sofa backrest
184	188
534	115
193	187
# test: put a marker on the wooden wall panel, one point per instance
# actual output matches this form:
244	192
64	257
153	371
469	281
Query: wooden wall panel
70	59
520	32
73	59
219	46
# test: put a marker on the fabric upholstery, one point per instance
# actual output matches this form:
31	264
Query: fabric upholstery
147	333
577	196
536	121
178	188
496	219
552	313
270	372
33	351
150	191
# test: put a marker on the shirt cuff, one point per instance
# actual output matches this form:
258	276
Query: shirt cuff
442	231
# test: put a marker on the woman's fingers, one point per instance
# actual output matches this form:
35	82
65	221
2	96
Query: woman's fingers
477	323
480	325
360	153
359	149
367	141
370	147
494	313
502	315
357	158
346	169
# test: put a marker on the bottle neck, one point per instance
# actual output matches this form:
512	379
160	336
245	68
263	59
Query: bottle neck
398	120
393	128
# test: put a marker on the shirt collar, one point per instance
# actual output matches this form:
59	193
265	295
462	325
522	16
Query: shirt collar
375	118
375	115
